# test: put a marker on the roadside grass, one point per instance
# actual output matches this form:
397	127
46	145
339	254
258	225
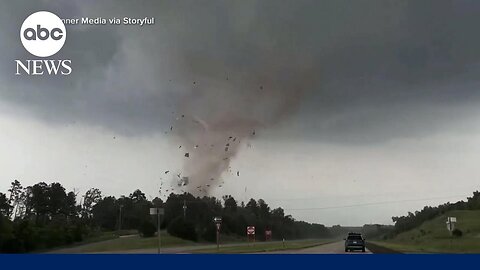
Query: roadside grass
433	237
435	246
127	243
265	246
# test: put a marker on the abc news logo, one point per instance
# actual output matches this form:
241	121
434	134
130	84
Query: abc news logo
43	34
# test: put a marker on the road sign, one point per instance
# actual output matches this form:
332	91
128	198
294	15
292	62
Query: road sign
268	235
157	211
250	230
451	223
218	223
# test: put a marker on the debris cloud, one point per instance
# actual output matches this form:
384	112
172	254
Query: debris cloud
225	114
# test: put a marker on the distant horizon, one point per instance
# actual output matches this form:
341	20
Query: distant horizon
310	104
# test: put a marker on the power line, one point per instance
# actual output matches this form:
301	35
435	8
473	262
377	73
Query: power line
372	203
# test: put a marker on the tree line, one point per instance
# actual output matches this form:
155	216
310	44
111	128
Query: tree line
44	216
413	220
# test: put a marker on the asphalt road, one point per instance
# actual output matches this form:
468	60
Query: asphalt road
166	250
331	248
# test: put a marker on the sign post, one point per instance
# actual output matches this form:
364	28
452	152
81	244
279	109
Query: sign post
268	235
251	233
218	223
158	212
451	224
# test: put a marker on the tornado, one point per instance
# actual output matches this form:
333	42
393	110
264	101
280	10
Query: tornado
220	114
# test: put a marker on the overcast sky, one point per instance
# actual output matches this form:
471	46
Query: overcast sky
346	112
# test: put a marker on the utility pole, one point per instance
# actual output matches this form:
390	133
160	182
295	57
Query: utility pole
184	209
120	219
158	229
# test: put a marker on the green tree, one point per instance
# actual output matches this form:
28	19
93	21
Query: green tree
91	197
37	201
252	207
70	207
16	198
106	213
230	203
57	199
4	205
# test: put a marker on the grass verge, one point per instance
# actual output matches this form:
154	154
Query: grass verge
126	243
265	247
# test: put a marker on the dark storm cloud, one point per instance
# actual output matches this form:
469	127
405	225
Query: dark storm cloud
372	70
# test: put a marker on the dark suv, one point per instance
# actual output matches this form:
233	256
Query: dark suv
354	241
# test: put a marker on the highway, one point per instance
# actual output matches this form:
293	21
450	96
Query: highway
331	248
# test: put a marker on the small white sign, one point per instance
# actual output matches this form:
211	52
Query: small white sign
157	211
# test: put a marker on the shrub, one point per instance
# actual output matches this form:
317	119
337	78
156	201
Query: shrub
26	234
77	233
180	228
457	233
147	229
210	233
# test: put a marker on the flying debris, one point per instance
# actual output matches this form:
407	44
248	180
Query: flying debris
227	144
178	175
184	181
187	154
238	173
234	138
179	147
230	137
183	115
253	133
171	128
114	137
196	146
167	172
